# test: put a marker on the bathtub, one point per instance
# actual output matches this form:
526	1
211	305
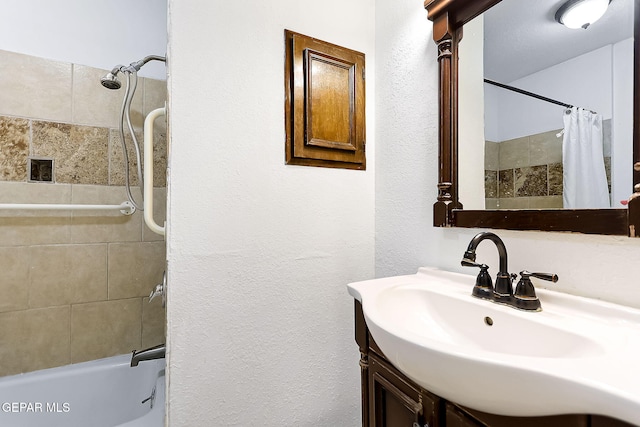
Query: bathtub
100	393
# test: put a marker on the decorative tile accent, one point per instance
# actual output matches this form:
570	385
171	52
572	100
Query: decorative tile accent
14	148
555	179
79	152
116	170
531	181
607	169
506	183
490	184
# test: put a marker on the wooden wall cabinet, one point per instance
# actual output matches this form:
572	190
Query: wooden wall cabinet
390	399
324	104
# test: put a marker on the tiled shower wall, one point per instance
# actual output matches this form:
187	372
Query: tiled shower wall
74	285
526	173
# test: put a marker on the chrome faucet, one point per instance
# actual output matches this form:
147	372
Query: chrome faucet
524	297
157	352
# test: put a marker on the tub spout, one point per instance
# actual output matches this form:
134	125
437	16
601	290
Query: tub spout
151	353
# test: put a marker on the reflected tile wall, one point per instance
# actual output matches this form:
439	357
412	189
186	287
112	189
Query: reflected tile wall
14	148
68	274
530	170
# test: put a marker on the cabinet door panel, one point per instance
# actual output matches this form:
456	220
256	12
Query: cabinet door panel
393	401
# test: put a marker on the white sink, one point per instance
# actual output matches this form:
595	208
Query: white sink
576	356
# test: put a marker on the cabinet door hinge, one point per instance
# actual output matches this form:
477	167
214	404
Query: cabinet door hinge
363	77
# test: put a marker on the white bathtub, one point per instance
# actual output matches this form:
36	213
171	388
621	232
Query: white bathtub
100	393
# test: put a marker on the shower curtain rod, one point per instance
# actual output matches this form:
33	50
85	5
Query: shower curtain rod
524	92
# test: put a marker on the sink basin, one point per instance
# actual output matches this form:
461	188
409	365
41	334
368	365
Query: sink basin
576	356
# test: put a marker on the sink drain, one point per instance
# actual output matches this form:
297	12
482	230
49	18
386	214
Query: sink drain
488	321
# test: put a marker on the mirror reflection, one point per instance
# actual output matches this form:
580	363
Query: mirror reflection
557	105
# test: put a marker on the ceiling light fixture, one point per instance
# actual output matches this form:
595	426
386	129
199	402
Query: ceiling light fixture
581	13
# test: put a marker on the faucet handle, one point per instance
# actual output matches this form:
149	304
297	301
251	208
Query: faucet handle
160	290
525	296
484	285
549	277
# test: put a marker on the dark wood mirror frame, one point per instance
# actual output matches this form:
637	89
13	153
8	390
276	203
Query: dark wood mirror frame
449	17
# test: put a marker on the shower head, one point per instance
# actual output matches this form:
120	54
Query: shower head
111	81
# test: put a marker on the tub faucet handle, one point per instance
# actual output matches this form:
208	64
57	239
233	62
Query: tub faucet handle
160	290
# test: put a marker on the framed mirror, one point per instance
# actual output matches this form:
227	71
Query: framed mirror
487	209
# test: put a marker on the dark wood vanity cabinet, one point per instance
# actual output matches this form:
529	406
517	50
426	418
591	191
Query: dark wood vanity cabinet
390	399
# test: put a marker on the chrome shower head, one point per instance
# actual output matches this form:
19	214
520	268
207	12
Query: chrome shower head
111	81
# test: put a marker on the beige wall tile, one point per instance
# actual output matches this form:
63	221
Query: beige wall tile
135	268
80	153
46	338
491	156
14	148
153	322
106	328
95	105
12	336
545	148
27	89
105	226
514	153
155	95
547	202
513	203
491	203
66	274
32	192
34	227
14	280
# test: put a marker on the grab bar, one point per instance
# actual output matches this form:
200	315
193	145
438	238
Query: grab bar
126	208
148	170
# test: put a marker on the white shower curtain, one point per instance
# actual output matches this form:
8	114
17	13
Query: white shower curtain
584	177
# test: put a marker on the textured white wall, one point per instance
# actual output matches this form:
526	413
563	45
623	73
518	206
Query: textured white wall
406	175
260	328
98	34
